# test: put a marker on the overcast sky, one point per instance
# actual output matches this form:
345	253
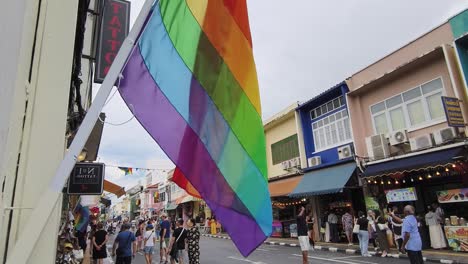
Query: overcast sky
301	48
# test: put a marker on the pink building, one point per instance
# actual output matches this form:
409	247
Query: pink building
401	135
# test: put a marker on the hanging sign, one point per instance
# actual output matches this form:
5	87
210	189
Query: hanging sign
401	195
114	29
87	178
453	196
453	111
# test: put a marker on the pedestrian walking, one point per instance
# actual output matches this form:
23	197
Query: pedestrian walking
411	238
213	225
435	230
333	222
124	246
177	243
99	244
165	235
373	229
310	228
149	240
381	229
363	235
347	221
139	235
193	242
302	235
396	229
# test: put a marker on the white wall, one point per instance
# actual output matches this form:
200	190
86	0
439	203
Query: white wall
42	141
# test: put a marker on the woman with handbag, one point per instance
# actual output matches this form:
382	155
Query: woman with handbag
362	227
149	240
177	244
381	229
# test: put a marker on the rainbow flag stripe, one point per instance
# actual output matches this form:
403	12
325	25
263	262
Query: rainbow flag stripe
191	82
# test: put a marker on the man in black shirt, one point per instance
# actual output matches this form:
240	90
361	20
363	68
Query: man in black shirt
302	235
178	241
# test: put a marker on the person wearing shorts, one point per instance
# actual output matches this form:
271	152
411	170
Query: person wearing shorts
165	235
302	235
149	239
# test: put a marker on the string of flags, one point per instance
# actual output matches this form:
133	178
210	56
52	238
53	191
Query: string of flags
132	170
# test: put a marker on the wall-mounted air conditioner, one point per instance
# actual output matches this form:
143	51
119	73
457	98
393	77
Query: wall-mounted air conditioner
345	152
314	161
295	163
421	142
445	135
377	147
398	137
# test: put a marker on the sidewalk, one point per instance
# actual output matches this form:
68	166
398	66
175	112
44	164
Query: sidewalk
437	256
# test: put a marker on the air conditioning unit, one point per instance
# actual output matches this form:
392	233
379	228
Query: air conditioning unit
285	165
314	161
421	142
377	147
445	135
398	137
296	162
345	152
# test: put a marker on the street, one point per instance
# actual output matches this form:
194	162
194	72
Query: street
215	251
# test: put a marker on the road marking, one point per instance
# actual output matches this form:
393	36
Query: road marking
356	260
245	260
262	249
336	260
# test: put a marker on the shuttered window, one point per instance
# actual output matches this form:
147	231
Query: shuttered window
285	149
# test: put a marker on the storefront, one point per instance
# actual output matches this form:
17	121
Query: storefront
284	207
331	189
439	176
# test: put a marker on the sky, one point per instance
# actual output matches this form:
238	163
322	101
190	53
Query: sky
301	48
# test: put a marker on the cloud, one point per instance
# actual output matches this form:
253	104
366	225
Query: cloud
301	48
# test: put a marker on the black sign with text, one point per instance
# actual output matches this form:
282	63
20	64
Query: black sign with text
114	29
86	178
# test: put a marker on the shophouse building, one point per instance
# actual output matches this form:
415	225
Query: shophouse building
410	152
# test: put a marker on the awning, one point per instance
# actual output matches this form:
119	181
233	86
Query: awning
171	206
113	188
324	181
414	163
283	187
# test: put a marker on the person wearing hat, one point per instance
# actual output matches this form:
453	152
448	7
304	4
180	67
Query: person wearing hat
165	235
149	239
123	245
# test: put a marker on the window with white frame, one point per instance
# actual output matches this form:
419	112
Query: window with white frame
332	130
416	107
327	107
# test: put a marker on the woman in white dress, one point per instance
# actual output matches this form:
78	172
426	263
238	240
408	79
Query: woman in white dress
435	230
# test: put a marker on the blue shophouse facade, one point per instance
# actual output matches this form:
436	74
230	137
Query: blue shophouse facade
326	129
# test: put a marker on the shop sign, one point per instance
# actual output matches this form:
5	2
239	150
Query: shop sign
371	203
293	230
453	111
457	237
114	29
87	178
401	195
453	196
277	229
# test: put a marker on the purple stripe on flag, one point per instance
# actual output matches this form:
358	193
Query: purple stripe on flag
187	151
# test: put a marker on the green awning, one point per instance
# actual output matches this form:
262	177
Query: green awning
171	206
324	181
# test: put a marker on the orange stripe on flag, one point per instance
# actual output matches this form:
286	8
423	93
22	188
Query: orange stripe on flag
179	179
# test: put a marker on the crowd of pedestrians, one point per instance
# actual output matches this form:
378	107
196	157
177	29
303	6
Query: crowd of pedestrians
177	244
382	230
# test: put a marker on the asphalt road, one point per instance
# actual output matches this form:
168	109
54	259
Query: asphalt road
214	251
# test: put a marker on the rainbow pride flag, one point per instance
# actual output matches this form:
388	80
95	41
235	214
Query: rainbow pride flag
191	82
81	217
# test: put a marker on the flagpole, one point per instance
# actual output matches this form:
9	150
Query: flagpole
31	232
